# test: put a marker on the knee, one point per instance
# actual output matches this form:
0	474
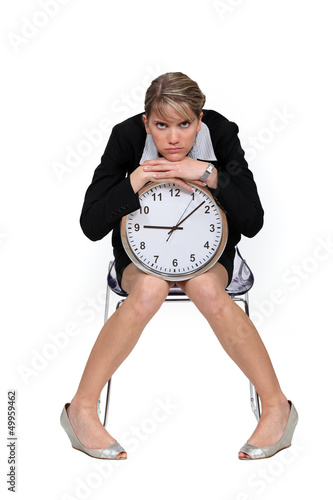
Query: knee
148	296
209	296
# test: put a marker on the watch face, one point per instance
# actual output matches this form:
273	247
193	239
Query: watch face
176	233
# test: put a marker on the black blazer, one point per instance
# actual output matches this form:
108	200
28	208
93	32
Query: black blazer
110	195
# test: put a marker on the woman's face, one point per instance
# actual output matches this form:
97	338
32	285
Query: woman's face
173	137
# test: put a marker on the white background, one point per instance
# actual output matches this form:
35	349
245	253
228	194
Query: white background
66	68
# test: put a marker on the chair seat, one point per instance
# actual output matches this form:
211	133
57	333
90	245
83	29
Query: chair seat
242	279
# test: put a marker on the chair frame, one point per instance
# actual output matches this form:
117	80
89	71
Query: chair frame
241	297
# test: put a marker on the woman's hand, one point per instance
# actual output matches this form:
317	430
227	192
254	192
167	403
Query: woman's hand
160	170
141	176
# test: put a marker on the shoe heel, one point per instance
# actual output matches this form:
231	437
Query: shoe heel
65	423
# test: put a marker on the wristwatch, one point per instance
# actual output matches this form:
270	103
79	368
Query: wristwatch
207	172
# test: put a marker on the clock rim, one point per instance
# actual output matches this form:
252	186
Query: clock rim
183	276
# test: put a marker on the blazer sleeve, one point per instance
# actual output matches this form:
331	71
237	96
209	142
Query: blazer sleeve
237	191
110	195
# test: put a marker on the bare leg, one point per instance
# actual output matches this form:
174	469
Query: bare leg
240	339
114	343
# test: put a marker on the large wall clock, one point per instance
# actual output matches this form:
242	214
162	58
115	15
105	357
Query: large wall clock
176	234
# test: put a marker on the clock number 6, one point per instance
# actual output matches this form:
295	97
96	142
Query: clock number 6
175	262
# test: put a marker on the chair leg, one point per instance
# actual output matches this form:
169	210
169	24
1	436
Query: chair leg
106	412
255	401
254	397
99	403
104	419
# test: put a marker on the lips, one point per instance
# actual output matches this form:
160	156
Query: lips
174	150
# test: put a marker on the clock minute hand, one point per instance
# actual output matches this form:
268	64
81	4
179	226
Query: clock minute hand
187	216
183	220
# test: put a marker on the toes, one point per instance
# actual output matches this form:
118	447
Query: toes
121	455
243	455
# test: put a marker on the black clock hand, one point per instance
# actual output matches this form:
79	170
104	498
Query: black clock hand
183	220
189	203
162	227
181	215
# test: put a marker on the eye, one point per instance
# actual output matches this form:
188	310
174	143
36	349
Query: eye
160	125
185	124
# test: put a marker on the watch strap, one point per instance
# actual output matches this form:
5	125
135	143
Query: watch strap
207	172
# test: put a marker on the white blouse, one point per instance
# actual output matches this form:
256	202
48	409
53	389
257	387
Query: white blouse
202	148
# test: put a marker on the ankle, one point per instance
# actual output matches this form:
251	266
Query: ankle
269	404
79	405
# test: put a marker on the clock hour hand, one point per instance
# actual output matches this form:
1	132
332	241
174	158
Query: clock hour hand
162	227
183	220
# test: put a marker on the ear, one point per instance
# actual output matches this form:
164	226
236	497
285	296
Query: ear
145	121
199	121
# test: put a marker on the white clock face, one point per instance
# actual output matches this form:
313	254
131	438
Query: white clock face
176	233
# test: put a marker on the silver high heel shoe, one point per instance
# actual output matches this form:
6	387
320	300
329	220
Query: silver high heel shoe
109	453
268	451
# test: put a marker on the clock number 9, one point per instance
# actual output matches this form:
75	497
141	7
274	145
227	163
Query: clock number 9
137	227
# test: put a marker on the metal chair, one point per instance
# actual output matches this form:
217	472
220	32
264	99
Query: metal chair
238	289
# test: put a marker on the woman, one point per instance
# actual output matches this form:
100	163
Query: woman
175	140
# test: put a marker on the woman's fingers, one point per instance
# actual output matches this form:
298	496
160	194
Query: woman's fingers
156	161
199	183
163	167
187	169
177	181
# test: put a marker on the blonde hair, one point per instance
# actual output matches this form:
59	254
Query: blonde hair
176	90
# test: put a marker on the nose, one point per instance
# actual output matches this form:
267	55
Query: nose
173	136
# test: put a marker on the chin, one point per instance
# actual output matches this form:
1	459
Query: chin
175	157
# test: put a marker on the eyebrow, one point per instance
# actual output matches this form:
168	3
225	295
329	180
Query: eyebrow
180	121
